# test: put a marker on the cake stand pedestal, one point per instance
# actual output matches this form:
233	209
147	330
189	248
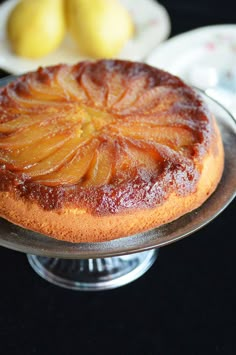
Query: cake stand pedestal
106	265
93	274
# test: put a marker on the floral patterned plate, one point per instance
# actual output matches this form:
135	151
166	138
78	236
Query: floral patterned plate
152	26
205	58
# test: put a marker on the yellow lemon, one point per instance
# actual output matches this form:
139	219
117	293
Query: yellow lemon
101	28
36	27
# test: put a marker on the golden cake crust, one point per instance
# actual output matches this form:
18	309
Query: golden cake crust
138	178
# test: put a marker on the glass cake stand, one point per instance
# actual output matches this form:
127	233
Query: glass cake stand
106	265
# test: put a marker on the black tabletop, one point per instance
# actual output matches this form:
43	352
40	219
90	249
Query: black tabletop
185	304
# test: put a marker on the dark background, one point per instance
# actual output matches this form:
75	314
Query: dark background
185	304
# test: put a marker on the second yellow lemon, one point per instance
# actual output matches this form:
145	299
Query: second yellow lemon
100	27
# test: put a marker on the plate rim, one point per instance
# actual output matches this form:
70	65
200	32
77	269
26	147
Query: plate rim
184	38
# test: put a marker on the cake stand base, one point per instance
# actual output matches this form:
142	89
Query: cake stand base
93	274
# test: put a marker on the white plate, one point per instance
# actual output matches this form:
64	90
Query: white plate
152	26
205	58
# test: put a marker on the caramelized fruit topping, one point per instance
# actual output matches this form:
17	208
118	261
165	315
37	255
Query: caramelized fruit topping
106	136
